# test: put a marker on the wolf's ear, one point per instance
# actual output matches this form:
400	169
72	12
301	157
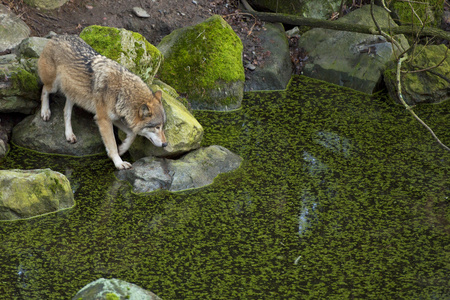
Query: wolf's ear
144	111
158	95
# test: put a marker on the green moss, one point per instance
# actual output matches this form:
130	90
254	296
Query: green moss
370	182
25	81
206	56
112	296
128	48
429	12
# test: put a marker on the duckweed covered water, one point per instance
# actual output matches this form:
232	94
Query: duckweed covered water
340	195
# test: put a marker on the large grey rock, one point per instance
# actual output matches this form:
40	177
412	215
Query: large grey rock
204	62
48	137
311	9
422	87
25	194
46	4
196	169
111	289
276	70
350	59
12	29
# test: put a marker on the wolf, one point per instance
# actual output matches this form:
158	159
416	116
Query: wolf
103	87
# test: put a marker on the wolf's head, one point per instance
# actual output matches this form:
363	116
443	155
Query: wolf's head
152	119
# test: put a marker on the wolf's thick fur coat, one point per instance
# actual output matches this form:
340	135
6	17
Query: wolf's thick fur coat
103	87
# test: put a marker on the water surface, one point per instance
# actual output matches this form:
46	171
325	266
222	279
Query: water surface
340	195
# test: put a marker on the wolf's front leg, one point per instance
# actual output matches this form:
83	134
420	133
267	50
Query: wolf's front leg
70	137
45	105
128	140
106	131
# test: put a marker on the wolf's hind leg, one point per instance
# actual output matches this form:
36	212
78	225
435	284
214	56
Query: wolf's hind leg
45	106
70	137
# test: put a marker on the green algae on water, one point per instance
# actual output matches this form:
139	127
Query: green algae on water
346	185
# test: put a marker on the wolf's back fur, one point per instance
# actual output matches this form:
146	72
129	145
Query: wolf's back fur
103	87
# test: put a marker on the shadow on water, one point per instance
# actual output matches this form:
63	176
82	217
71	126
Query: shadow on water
340	195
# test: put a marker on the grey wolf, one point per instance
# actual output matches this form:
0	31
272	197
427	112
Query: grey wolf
103	87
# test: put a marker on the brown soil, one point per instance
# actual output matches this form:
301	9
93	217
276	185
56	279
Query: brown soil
165	16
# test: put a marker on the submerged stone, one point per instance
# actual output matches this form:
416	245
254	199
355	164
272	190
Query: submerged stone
110	289
196	169
30	193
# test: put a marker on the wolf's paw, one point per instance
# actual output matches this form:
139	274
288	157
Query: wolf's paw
123	165
45	114
71	138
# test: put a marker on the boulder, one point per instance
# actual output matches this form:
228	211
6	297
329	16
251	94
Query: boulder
46	4
12	29
110	289
30	193
19	89
350	59
128	48
310	9
48	137
204	62
276	70
31	47
422	87
183	131
196	169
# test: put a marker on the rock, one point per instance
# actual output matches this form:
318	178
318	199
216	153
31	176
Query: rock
350	59
422	87
25	194
12	29
19	89
48	137
46	4
110	289
128	48
310	9
4	148
183	131
204	62
140	12
196	169
31	47
276	71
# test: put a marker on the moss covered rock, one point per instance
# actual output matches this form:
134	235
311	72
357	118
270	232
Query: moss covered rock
25	194
422	87
128	48
429	12
204	62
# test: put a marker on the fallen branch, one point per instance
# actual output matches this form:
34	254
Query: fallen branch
342	26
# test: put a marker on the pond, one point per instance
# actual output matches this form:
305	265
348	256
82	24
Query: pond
340	195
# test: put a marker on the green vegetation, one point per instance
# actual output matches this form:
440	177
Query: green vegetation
430	12
25	81
368	181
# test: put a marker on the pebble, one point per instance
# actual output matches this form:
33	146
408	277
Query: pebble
140	12
250	67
